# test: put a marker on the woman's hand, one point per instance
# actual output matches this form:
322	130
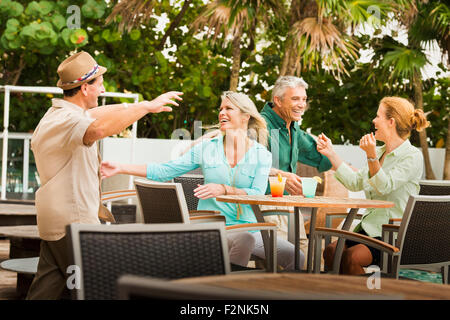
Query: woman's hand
109	169
368	143
210	190
324	146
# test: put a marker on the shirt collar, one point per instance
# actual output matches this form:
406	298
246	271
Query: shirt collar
404	147
61	103
276	119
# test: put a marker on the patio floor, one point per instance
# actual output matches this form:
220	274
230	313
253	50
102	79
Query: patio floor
7	278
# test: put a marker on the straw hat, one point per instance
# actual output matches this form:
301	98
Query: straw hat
78	69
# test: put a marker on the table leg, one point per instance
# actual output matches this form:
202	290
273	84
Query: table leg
264	235
312	229
341	242
297	238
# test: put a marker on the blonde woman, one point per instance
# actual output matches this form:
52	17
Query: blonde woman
232	163
392	174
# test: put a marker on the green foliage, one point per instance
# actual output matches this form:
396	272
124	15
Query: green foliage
35	35
40	28
10	8
93	9
437	106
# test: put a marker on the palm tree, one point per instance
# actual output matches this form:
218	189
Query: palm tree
425	22
317	35
430	23
134	13
231	18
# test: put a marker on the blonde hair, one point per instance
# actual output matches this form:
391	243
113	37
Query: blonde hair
257	127
406	117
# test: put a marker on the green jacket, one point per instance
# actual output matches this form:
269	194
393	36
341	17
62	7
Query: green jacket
284	154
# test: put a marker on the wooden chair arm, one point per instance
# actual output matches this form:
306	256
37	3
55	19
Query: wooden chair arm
368	241
390	227
252	226
195	213
118	195
114	192
207	218
393	220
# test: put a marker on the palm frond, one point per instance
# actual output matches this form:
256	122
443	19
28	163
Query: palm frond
230	16
432	23
132	13
320	41
356	11
396	60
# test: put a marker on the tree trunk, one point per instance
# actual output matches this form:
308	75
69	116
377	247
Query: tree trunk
236	52
447	154
418	99
298	11
294	14
288	67
284	64
173	25
19	71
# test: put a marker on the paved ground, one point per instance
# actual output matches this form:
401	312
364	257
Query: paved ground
7	279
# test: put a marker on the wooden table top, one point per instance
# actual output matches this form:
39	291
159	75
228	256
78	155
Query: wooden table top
301	201
17	209
335	285
29	232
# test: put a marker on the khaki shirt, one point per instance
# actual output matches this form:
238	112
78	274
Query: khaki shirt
68	170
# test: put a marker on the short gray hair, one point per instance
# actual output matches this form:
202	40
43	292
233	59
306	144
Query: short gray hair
285	82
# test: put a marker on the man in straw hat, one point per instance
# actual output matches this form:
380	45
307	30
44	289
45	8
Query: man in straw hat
67	159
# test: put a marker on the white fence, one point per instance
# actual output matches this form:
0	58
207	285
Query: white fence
53	90
162	150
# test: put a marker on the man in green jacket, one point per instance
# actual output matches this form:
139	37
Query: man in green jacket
288	143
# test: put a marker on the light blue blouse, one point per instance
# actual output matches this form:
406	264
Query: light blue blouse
250	174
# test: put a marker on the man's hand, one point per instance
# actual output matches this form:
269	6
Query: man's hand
293	183
210	190
158	104
109	169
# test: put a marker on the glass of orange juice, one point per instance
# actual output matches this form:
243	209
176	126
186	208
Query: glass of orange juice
277	186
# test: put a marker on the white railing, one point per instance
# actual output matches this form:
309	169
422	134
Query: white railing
53	90
26	154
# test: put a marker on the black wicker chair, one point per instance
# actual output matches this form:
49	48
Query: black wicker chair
165	203
435	187
161	202
189	183
166	251
423	240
